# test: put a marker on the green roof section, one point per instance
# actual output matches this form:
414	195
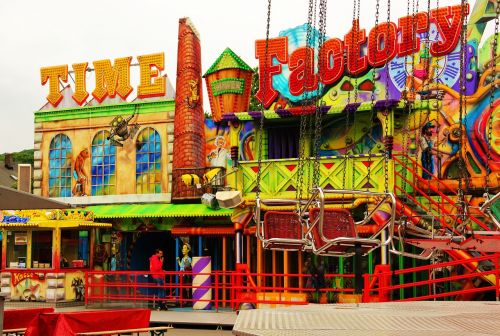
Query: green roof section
155	210
86	112
228	60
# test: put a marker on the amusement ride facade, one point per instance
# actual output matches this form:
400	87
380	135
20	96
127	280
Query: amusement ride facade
370	172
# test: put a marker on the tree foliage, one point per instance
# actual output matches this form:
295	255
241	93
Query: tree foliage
24	156
254	103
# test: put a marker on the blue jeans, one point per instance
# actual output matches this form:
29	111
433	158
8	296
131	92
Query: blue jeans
159	290
428	164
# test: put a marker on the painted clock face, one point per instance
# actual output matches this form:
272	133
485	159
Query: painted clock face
443	70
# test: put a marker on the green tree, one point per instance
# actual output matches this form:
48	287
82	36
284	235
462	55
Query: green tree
254	103
24	156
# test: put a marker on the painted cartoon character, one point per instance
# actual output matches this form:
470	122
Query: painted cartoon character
220	155
78	288
80	174
429	148
185	266
194	98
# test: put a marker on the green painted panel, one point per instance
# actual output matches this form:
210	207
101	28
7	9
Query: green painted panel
104	111
155	210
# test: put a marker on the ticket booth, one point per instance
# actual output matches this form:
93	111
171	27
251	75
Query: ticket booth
45	253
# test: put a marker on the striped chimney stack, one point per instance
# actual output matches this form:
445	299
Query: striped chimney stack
189	134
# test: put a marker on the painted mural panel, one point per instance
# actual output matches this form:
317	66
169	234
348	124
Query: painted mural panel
218	147
452	141
94	165
247	142
44	286
28	286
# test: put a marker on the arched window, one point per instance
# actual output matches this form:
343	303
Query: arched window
148	162
60	159
103	165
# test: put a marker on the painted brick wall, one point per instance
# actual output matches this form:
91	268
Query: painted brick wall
189	134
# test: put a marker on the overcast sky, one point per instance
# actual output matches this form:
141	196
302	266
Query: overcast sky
35	33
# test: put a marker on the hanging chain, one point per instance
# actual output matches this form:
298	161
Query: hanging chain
493	88
438	108
356	59
348	112
425	87
462	110
353	177
415	5
304	117
372	97
405	126
262	108
311	102
319	112
388	140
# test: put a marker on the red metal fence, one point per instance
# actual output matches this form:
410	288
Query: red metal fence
229	289
232	289
446	280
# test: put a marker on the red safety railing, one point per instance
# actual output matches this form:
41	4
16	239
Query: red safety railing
385	291
227	289
435	185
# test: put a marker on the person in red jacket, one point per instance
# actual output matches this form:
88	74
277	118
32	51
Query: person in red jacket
156	268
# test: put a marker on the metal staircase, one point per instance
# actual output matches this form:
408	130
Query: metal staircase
431	218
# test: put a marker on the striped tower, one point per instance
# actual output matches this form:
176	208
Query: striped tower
189	134
202	293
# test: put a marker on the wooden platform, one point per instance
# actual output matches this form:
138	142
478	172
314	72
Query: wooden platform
443	318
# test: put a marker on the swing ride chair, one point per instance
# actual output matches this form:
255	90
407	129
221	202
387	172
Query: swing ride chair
324	231
333	230
281	230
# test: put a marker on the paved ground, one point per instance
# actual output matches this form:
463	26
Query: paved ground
450	318
198	332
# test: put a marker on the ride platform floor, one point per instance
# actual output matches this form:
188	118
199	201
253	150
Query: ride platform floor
442	318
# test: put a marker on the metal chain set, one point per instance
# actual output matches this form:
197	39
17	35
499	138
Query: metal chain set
493	87
304	118
262	108
319	112
388	139
462	112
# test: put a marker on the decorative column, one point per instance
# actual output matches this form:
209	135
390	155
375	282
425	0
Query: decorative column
202	283
189	131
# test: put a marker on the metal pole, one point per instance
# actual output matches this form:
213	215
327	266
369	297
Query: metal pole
239	244
384	252
358	274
